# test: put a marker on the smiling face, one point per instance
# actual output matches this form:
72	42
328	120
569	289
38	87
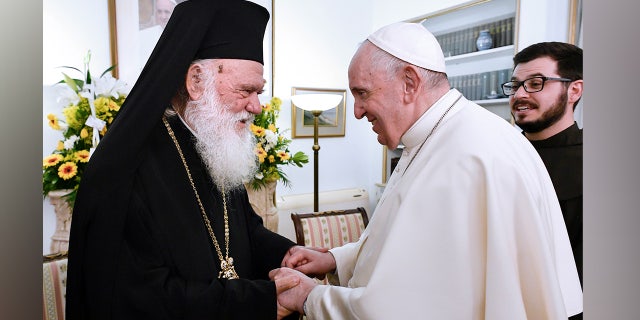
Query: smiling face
547	112
238	84
224	97
376	97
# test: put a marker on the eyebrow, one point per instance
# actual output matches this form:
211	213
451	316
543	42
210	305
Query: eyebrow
537	74
251	87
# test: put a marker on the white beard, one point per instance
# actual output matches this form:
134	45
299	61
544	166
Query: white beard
228	155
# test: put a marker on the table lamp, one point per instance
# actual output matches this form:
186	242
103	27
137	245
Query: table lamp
316	103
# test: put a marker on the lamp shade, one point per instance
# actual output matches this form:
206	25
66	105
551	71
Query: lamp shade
316	101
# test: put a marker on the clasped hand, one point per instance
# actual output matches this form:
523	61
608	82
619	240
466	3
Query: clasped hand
292	286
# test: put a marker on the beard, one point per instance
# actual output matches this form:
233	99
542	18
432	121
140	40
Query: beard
227	154
549	117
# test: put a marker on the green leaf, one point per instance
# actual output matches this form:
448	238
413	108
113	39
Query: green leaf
108	69
74	68
70	82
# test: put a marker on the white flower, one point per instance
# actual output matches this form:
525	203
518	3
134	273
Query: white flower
271	138
68	144
67	96
259	176
109	86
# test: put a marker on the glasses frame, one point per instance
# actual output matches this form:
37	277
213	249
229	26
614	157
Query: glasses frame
521	84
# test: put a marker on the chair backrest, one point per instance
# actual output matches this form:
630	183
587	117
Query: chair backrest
54	285
329	229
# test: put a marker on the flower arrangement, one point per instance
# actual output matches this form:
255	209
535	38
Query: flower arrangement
90	107
272	148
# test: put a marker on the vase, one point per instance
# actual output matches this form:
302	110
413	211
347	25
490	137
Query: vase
60	238
263	202
484	40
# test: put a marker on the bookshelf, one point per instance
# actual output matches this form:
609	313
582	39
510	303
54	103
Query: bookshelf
485	54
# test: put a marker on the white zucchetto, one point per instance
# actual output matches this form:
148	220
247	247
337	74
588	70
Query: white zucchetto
410	42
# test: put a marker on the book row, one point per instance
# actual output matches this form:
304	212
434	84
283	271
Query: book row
483	85
464	41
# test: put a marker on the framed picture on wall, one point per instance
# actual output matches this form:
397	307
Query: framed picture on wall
331	123
136	26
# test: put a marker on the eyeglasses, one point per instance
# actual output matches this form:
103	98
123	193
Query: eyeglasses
531	85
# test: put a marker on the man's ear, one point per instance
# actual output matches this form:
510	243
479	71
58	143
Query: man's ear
194	81
575	91
411	84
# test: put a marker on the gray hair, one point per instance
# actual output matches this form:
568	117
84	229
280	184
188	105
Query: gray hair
392	65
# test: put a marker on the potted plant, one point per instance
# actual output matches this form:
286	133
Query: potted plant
90	107
272	151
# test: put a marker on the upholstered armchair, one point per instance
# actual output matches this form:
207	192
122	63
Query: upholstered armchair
54	284
329	229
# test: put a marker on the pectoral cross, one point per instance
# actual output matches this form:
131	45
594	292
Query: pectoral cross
227	270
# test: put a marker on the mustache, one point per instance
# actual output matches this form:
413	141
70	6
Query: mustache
524	102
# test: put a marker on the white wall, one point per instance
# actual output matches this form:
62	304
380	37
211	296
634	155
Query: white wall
314	42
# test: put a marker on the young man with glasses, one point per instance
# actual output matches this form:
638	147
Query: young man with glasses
543	93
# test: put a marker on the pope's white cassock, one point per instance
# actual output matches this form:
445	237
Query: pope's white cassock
469	229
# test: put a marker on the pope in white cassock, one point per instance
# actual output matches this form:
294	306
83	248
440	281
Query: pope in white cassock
468	226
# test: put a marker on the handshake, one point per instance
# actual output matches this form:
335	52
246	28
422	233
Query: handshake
293	282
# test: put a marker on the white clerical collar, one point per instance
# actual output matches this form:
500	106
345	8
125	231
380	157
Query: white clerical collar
420	129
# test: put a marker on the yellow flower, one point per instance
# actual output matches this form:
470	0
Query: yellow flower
67	170
51	160
261	154
53	121
272	127
103	131
60	146
84	133
102	105
272	158
82	155
267	107
258	131
113	106
70	113
283	155
276	103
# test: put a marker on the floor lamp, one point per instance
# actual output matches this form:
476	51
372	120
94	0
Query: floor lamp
316	103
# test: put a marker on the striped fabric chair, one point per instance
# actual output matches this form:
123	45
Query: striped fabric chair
329	229
54	283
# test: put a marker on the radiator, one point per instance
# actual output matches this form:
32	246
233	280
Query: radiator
328	200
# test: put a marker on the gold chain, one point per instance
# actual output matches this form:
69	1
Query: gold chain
227	270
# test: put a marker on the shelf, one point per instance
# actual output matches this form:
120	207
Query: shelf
485	54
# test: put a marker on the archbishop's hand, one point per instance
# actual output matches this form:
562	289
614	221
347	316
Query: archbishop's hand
314	262
293	298
284	283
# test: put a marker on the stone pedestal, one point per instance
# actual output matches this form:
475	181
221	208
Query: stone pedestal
263	202
60	238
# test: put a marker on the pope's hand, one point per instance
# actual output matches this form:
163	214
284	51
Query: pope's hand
314	262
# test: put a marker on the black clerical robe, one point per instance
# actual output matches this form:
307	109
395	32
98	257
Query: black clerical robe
562	155
166	266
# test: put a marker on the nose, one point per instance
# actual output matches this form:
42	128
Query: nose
358	110
520	92
253	105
